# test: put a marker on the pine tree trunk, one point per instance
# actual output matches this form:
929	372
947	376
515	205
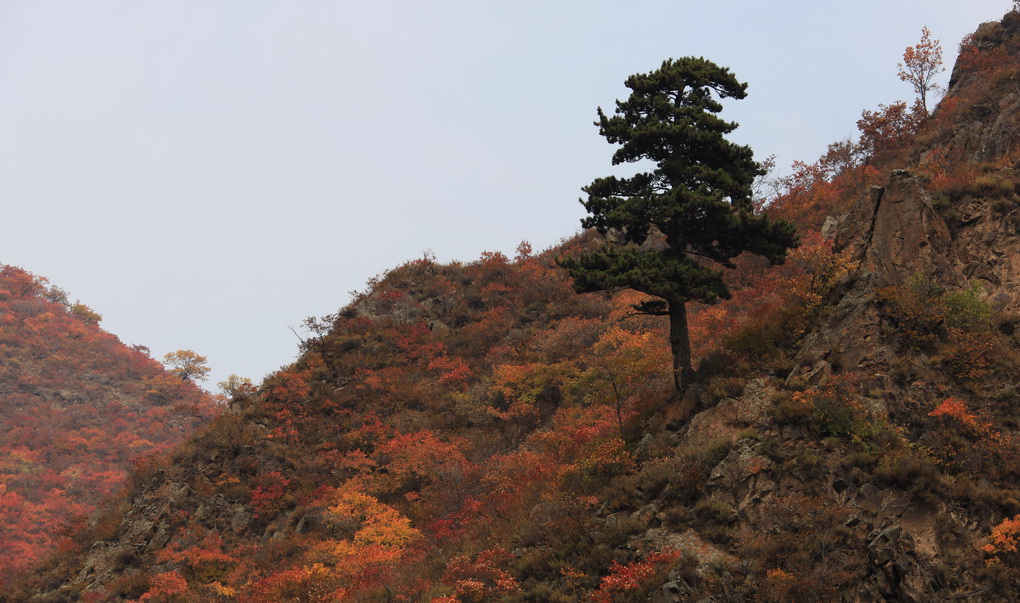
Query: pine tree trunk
680	343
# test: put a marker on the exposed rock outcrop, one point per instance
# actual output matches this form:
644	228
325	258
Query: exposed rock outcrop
893	233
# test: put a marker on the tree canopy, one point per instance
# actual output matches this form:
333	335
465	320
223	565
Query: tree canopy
187	365
921	63
689	214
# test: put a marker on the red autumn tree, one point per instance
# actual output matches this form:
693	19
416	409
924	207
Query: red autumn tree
187	365
921	63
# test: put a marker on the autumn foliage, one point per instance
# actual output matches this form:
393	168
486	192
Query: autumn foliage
921	63
79	408
622	580
1004	538
449	410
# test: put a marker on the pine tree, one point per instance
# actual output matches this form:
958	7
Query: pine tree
690	213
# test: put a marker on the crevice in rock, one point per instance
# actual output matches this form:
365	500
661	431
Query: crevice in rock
877	192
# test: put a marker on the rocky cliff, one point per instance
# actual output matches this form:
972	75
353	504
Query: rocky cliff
917	518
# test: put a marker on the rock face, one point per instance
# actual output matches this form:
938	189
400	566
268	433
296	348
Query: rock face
990	131
893	233
988	253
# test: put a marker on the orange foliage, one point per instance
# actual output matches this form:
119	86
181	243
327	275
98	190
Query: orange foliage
983	64
964	440
1004	538
79	408
294	584
201	562
166	587
778	585
835	406
957	409
289	387
970	356
921	63
365	542
787	295
945	172
623	364
623	579
416	459
479	578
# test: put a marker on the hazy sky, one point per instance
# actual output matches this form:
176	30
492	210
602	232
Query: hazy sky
206	173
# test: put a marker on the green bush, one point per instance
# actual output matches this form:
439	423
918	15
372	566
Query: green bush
719	387
862	459
905	469
717	451
924	310
1004	205
788	411
994	184
966	309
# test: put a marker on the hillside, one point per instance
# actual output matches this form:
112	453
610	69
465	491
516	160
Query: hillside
78	408
480	432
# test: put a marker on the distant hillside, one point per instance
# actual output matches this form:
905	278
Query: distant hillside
77	409
480	432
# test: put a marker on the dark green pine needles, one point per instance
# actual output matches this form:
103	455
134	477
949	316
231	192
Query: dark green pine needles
691	213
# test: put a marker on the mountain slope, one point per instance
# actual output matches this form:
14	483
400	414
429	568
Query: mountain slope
78	407
448	415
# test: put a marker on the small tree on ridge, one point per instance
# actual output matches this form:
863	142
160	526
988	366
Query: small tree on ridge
187	365
921	63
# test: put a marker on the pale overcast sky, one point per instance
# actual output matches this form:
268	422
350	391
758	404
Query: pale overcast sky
205	173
